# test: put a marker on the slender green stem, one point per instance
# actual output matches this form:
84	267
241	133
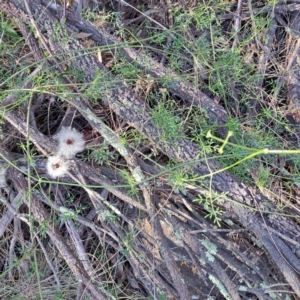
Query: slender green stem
264	151
228	167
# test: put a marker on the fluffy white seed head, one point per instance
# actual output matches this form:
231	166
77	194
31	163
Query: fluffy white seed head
70	142
57	166
2	177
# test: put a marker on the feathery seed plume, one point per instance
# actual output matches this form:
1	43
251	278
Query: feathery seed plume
70	142
57	166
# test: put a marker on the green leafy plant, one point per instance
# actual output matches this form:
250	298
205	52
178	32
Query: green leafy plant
102	154
105	214
132	184
211	203
178	178
166	121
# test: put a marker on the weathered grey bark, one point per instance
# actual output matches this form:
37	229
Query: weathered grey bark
42	216
293	66
183	89
239	200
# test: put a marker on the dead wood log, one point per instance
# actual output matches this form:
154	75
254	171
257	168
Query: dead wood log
293	79
134	111
183	89
42	216
37	138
